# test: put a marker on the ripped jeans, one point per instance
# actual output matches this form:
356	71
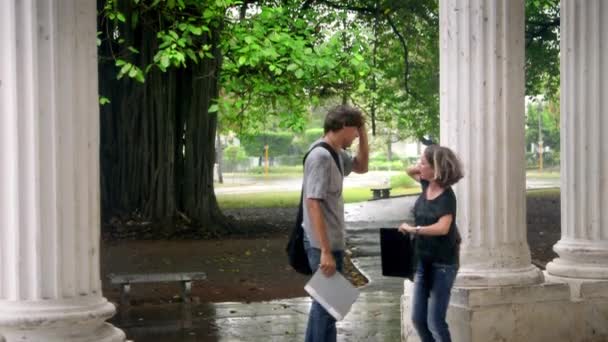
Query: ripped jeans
432	288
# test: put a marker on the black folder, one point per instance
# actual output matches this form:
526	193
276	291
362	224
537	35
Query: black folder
397	253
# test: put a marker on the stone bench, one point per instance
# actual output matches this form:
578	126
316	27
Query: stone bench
185	278
381	192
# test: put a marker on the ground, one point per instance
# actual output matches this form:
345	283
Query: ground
244	268
253	267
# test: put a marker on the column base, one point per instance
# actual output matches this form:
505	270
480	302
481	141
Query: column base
474	277
541	312
580	259
69	320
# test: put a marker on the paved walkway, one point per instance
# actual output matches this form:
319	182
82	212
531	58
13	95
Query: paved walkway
374	317
244	184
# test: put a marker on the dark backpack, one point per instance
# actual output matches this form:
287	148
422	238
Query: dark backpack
295	246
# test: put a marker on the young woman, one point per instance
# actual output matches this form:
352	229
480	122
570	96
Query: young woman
437	240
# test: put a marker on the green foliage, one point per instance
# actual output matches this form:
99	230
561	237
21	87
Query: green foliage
395	165
274	63
235	159
283	169
542	47
235	153
402	180
551	160
303	141
281	57
103	100
183	31
278	143
548	115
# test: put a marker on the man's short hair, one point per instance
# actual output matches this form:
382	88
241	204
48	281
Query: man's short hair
342	116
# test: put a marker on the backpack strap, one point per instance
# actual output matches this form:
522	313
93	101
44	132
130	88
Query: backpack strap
329	149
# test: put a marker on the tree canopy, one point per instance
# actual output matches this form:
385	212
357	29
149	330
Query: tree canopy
172	69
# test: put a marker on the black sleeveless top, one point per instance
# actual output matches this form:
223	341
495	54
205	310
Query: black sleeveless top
441	249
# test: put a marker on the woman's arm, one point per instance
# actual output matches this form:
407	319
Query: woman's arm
441	227
414	172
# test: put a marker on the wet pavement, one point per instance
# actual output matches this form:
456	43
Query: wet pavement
375	316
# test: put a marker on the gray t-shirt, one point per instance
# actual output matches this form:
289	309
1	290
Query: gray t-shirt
323	180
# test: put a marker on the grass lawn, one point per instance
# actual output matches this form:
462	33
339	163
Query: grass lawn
291	198
549	174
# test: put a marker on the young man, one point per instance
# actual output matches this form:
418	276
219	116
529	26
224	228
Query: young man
324	205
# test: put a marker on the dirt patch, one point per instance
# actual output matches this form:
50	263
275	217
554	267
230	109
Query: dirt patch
543	222
242	267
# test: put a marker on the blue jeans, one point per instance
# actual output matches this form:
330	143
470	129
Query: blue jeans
432	287
321	325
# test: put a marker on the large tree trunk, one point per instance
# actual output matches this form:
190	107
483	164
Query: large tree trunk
157	138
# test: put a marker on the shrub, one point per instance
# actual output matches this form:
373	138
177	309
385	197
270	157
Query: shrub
277	169
402	181
396	165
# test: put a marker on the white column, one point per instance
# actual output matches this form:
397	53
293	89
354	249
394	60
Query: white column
583	247
50	287
482	119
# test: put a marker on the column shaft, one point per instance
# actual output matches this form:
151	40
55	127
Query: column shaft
482	119
583	247
50	286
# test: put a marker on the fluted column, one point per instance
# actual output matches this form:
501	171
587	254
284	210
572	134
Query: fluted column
50	287
583	247
482	119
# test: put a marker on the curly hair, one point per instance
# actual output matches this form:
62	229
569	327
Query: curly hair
342	116
445	163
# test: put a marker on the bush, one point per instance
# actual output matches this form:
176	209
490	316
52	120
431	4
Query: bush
291	160
550	159
378	157
234	153
235	159
277	169
402	181
396	165
302	142
278	143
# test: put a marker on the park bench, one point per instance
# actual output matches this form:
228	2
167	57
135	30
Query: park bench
185	278
381	193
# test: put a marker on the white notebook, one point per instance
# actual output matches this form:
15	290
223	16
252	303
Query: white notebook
335	294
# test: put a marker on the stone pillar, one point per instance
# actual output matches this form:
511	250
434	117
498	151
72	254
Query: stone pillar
583	247
50	288
482	120
498	295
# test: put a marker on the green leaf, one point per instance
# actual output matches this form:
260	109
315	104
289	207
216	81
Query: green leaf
132	49
134	19
164	61
103	100
121	17
299	73
292	67
125	68
140	77
196	30
133	72
242	60
192	55
213	108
